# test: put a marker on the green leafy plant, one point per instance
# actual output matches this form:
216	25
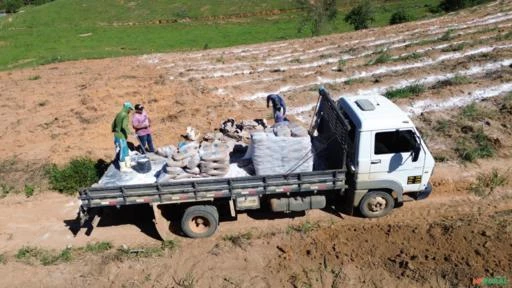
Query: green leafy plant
447	36
382	58
453	48
399	16
361	15
29	190
477	146
486	183
35	77
240	240
12	6
188	281
304	227
98	247
45	257
316	14
408	91
454	5
80	172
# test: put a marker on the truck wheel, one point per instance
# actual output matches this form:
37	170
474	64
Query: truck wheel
376	204
200	221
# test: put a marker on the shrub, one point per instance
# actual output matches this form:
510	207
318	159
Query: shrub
453	48
361	16
316	14
12	6
454	5
411	90
399	16
29	190
478	146
382	58
98	247
80	172
487	182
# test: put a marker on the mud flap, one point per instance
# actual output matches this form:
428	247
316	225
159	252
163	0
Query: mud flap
162	225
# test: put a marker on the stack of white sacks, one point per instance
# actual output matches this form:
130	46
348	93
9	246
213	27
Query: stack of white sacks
183	163
285	148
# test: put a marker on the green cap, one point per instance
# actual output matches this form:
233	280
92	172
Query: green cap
128	105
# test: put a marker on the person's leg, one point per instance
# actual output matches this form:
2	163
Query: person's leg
143	142
124	150
117	148
150	143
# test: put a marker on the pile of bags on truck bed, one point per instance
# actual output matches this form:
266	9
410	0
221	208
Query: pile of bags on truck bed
283	148
193	159
241	131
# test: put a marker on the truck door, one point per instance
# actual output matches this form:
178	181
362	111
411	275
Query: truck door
392	158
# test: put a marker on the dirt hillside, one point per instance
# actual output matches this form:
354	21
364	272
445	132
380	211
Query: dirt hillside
60	111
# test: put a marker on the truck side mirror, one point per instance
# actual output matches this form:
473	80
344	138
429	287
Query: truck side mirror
416	151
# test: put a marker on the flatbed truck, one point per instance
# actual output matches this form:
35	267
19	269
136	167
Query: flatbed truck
367	151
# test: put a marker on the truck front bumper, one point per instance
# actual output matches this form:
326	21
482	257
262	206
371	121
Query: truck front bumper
420	195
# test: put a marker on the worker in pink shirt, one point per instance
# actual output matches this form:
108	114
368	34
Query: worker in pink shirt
142	124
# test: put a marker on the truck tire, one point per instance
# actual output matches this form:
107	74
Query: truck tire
200	221
376	204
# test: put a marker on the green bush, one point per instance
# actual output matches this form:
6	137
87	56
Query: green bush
479	145
361	16
12	6
399	16
411	90
486	183
382	58
454	5
80	172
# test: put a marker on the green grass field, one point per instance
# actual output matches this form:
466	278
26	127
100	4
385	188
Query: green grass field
77	29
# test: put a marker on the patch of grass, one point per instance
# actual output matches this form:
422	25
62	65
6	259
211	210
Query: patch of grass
6	189
117	28
477	145
353	81
443	126
410	56
240	240
3	259
454	81
98	247
29	190
341	65
473	113
503	37
79	172
453	48
146	252
408	91
169	245
188	281
383	57
45	257
486	183
304	227
35	77
447	36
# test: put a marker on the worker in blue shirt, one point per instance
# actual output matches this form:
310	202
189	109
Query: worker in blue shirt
278	107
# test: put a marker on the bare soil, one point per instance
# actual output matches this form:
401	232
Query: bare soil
56	112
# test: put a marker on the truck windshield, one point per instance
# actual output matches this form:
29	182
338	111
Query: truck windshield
398	141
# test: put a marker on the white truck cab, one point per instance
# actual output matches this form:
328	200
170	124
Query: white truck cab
390	156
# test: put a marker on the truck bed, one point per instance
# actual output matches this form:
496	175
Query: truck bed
210	189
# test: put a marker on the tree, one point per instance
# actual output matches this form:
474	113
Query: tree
316	14
399	16
361	16
12	6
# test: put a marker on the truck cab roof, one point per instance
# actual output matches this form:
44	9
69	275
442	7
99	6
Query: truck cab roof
370	113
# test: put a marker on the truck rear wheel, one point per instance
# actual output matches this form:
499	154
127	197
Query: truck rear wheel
376	204
200	221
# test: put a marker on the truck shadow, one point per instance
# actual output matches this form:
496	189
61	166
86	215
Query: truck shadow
140	216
